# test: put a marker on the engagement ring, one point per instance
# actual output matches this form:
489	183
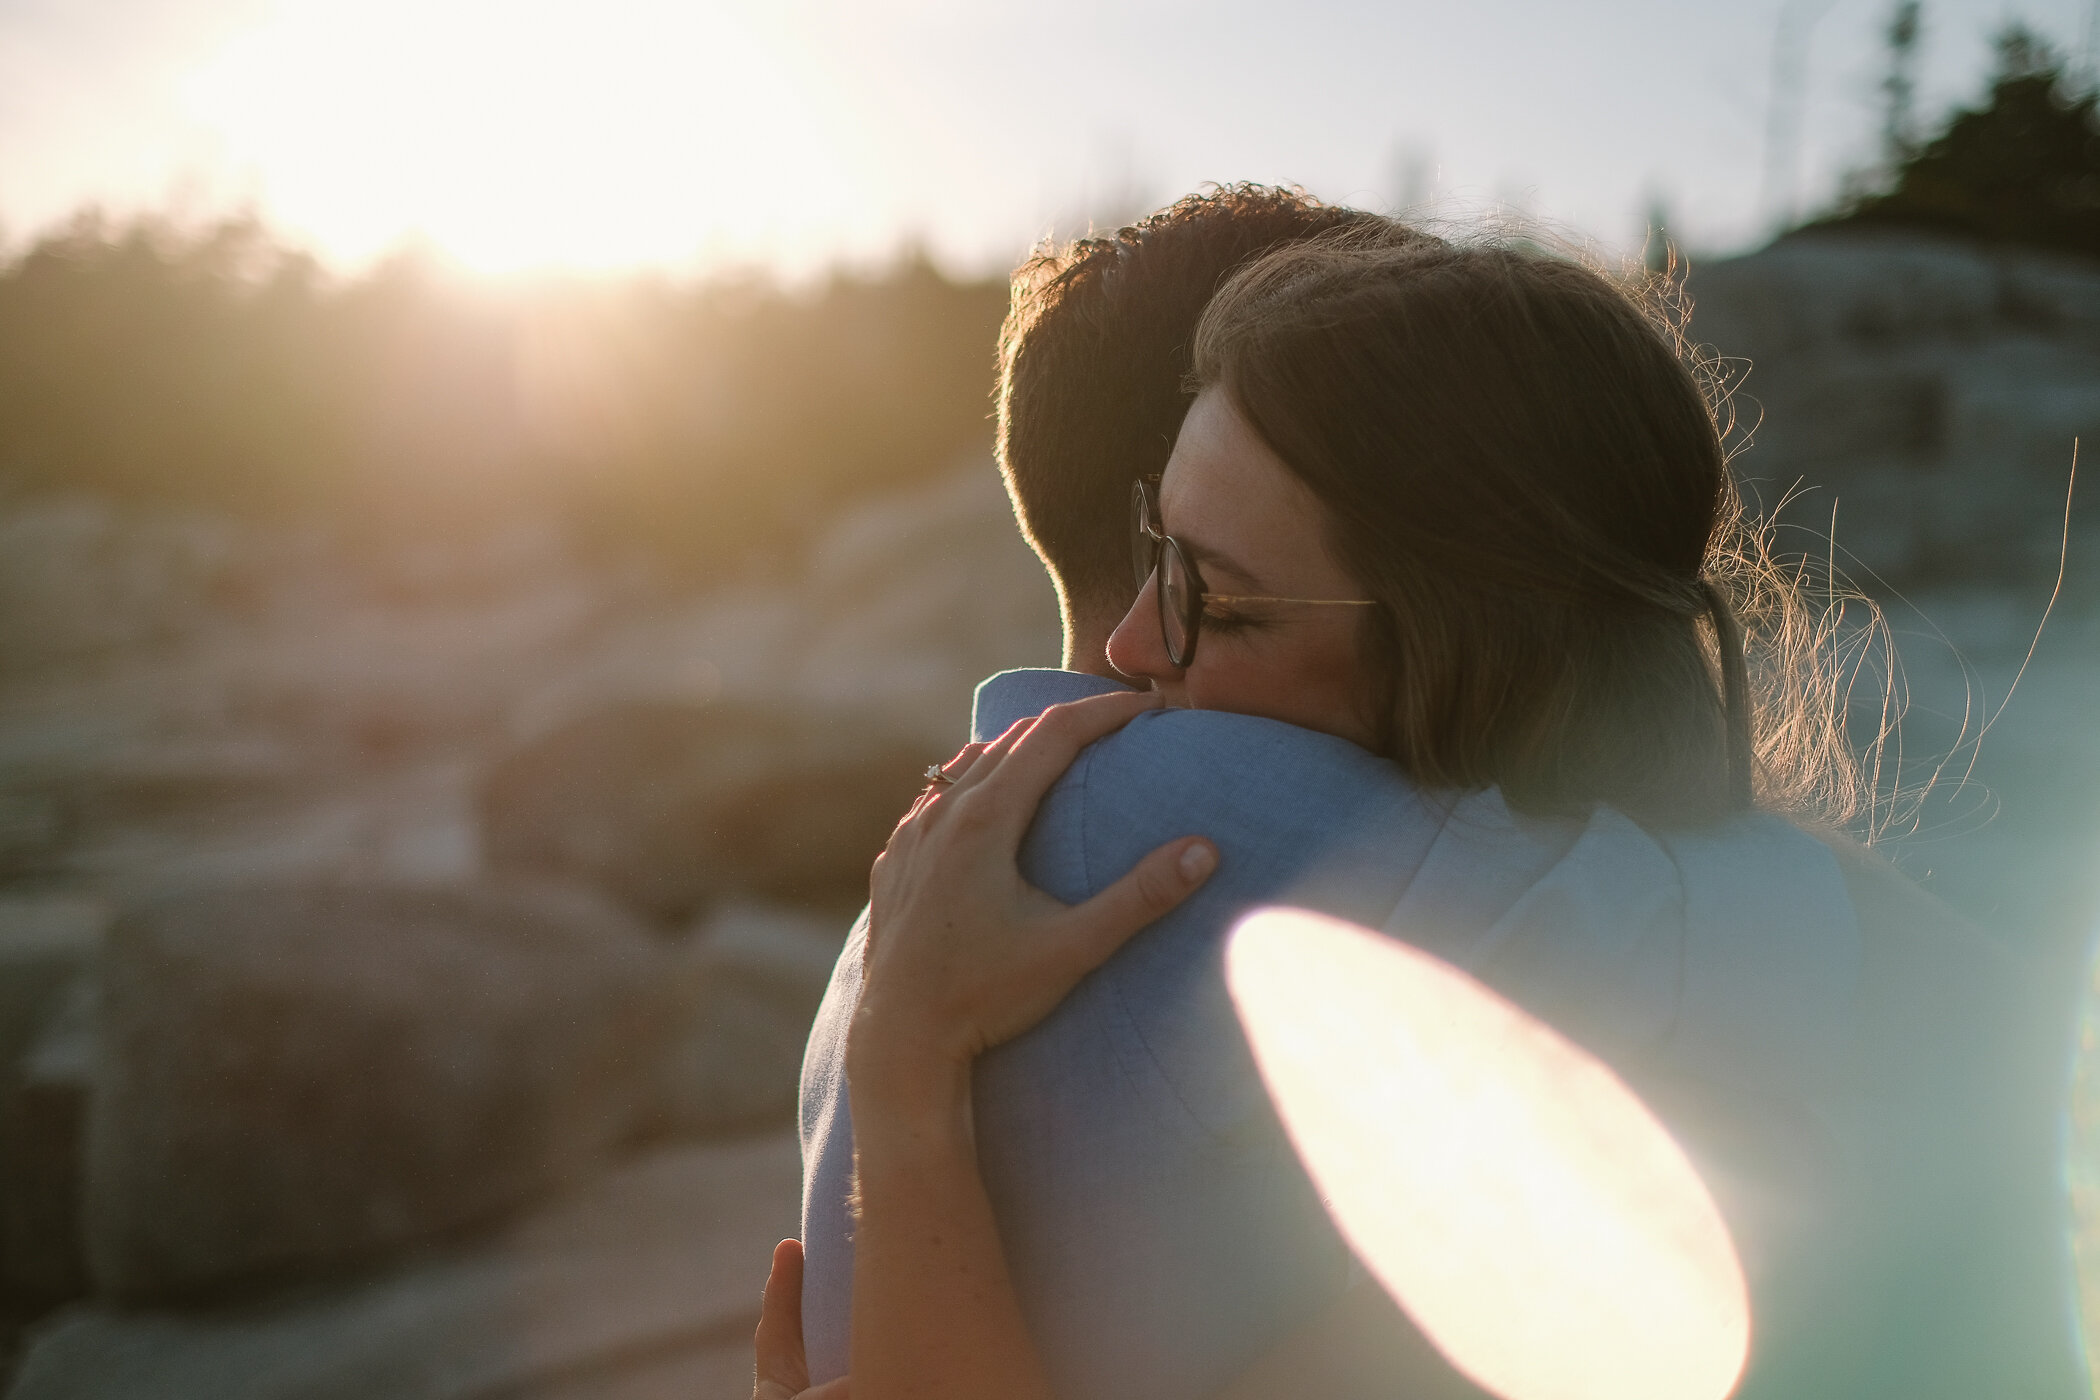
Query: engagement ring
934	775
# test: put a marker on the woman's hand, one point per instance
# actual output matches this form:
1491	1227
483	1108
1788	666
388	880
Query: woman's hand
963	953
782	1364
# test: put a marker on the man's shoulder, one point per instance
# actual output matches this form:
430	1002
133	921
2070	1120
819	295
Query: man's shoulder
1298	816
1173	753
1923	956
1002	699
1242	761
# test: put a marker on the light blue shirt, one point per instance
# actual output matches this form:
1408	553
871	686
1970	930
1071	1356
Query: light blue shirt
1160	1232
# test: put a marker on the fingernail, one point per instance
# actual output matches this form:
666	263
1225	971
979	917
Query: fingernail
1198	861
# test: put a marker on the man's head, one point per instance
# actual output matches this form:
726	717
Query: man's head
1093	360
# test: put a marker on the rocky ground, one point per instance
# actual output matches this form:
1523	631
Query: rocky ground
405	957
446	921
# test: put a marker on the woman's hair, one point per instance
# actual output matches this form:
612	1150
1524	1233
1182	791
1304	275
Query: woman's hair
1519	464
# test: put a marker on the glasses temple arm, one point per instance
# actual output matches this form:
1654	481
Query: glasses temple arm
1253	598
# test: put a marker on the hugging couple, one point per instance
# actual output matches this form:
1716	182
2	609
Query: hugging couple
1403	579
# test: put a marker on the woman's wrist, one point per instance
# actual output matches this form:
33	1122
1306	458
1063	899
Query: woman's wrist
904	1078
911	1120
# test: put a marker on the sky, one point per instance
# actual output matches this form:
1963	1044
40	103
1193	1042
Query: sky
512	135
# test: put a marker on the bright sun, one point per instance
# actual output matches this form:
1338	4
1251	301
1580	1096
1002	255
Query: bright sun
518	134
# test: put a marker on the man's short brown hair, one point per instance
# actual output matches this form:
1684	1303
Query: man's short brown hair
1093	359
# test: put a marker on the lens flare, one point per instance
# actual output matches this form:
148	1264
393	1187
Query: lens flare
2081	1135
1512	1194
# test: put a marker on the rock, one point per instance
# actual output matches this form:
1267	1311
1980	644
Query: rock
750	980
763	742
81	575
31	830
916	599
642	1285
669	807
46	942
43	1116
1926	390
905	603
296	1080
49	947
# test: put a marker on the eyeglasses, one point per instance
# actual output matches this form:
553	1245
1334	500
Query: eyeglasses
1181	593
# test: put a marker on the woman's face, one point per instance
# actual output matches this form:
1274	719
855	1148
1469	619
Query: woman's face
1251	527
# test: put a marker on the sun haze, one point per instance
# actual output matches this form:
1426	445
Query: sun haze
514	136
799	134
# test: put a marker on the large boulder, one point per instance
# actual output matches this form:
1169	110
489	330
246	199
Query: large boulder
296	1080
670	807
902	605
642	1284
31	833
46	943
749	981
43	1115
49	945
916	598
1920	392
80	575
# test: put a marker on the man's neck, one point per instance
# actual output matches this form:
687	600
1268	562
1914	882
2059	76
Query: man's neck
1087	630
1087	652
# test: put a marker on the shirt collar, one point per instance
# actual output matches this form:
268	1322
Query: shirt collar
1024	694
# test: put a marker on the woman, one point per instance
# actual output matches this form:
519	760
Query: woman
1466	507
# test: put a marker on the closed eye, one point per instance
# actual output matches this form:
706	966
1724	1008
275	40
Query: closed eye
1224	620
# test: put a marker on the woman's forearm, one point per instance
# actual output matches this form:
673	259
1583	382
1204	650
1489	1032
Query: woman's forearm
934	1312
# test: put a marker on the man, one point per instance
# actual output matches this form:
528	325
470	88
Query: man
1160	1234
1092	361
1093	358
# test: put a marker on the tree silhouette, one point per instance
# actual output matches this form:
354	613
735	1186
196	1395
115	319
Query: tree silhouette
1899	86
711	422
2023	169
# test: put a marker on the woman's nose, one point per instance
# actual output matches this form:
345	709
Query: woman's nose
1136	647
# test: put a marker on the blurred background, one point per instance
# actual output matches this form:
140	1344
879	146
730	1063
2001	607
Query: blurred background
496	509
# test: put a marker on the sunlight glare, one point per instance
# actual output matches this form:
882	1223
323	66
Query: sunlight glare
1511	1193
2080	1135
529	134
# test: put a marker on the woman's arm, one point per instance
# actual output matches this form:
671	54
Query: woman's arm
962	955
934	1311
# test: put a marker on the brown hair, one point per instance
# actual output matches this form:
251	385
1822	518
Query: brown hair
1519	464
1093	359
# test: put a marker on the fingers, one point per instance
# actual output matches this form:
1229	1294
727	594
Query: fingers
781	1366
953	770
840	1389
955	767
1154	885
989	756
1060	732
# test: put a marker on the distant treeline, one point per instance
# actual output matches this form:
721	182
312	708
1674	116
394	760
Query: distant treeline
2022	167
213	367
